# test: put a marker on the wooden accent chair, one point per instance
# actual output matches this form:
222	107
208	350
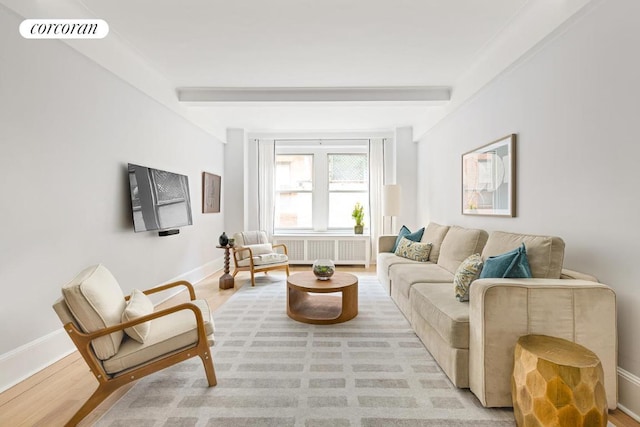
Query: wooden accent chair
123	339
254	253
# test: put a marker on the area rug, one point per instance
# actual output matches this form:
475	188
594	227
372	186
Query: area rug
273	371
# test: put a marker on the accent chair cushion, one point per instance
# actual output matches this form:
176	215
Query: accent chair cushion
260	249
139	305
266	259
416	236
512	264
466	273
167	334
96	301
416	251
250	238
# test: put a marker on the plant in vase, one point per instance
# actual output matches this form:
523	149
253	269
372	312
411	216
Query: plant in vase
323	269
358	216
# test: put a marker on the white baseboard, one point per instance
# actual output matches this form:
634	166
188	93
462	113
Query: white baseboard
26	360
19	364
629	394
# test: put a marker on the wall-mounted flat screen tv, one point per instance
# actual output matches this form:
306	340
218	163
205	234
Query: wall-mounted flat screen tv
159	200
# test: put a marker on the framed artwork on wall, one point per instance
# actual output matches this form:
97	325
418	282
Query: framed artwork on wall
211	187
489	179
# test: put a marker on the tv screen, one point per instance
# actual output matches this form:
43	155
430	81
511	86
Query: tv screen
159	199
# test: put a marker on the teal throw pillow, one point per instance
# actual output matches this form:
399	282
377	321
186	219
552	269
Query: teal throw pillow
512	264
416	236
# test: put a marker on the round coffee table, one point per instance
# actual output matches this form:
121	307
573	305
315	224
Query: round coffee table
307	302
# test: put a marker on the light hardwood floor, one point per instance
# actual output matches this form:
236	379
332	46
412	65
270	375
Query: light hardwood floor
53	395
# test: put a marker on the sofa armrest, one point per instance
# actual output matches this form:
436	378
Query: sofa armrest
502	310
386	242
571	274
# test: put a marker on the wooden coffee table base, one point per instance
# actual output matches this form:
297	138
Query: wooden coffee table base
322	302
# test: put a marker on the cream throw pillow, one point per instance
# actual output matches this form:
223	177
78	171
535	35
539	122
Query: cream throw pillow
138	305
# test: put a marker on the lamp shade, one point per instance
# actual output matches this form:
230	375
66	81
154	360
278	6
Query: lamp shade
391	200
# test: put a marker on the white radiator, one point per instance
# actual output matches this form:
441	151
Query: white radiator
341	249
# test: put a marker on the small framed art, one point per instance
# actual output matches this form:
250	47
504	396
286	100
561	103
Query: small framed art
211	188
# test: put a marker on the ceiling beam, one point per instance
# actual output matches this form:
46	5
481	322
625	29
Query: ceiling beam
315	94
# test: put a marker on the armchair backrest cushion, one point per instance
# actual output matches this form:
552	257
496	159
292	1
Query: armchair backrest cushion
458	244
251	238
544	253
96	301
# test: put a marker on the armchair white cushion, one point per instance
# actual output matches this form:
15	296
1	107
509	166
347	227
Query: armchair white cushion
97	302
138	305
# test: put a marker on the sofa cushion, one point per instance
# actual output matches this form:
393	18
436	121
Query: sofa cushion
167	333
435	303
387	259
416	251
96	301
544	253
138	305
416	236
466	273
404	276
512	264
458	244
434	234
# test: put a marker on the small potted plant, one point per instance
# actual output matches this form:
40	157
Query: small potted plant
358	215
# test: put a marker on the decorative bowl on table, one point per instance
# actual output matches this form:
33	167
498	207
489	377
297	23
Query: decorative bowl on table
323	269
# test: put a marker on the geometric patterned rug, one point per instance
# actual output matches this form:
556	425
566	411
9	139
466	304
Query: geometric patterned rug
371	371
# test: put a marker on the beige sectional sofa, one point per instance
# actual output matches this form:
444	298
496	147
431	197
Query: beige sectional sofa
473	342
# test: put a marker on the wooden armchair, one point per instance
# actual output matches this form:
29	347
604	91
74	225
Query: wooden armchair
252	252
121	351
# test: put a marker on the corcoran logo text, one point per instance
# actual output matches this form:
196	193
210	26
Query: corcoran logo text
64	29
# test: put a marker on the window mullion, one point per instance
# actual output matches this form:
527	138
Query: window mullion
320	191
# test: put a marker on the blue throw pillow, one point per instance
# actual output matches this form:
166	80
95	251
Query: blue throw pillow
513	264
416	236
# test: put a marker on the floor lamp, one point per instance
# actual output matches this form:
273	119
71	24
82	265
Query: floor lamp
390	205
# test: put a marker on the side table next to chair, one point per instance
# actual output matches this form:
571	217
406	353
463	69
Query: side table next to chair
226	280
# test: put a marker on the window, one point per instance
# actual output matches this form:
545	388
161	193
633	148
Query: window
318	184
294	187
348	184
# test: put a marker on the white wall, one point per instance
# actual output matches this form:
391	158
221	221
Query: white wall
68	128
574	105
235	183
405	171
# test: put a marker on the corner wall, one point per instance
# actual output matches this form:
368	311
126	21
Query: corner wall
574	105
68	128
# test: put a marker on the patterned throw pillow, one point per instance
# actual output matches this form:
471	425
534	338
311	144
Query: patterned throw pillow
416	251
466	273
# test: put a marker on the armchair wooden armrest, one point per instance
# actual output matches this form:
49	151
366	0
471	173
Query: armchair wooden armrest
189	286
237	250
283	246
90	336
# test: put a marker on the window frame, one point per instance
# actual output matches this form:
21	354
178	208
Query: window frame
320	151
